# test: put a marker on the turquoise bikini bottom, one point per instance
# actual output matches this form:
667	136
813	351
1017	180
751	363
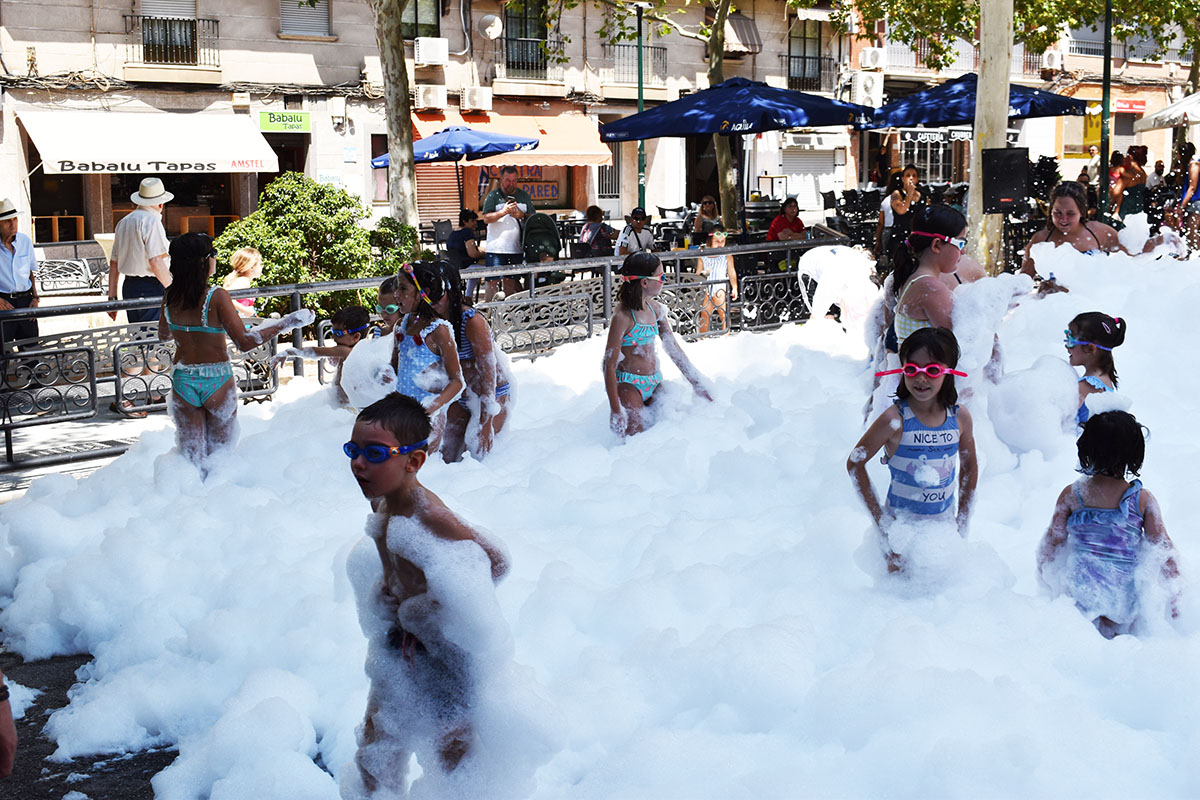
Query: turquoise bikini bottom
646	384
194	384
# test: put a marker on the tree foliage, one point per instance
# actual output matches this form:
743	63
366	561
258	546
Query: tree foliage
309	232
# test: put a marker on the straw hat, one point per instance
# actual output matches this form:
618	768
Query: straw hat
7	209
151	193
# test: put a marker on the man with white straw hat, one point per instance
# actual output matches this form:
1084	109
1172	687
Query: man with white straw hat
140	251
18	287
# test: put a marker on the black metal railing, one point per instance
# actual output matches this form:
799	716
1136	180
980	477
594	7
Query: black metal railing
172	40
621	64
810	73
529	59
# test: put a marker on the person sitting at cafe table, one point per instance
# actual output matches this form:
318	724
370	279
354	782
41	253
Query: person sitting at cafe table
708	219
461	247
596	236
787	225
635	238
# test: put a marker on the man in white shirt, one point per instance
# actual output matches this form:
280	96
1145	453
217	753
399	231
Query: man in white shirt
18	285
503	209
140	251
1093	167
1155	179
635	239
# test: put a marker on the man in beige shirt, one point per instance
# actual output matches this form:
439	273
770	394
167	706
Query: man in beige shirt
140	251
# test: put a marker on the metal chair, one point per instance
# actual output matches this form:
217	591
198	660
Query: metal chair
442	228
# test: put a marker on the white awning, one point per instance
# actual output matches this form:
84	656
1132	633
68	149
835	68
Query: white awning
1183	112
77	142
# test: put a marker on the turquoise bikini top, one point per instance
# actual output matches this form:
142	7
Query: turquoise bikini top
640	333
203	327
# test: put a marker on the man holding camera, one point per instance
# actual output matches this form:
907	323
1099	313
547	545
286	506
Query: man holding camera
503	209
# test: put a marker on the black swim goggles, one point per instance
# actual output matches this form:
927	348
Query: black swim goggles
377	453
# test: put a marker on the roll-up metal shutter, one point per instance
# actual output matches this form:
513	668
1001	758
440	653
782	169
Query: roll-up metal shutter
809	172
304	20
437	192
170	9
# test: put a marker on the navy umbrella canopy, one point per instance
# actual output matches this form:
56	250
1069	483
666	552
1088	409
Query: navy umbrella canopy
953	103
732	107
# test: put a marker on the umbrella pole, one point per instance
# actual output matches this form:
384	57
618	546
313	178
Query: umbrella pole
458	179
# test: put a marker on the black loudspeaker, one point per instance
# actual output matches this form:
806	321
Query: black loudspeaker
1005	178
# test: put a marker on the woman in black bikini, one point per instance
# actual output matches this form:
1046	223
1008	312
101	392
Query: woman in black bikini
1067	224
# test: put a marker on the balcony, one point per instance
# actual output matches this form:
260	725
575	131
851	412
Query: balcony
172	41
964	58
530	60
810	73
620	64
1146	52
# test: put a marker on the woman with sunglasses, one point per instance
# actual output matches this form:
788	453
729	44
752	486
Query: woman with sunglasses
929	251
1068	224
923	434
199	317
708	219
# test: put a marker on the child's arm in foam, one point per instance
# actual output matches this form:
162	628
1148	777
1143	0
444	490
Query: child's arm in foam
1155	531
249	339
621	322
337	351
1056	535
483	377
886	428
676	354
445	523
440	341
968	468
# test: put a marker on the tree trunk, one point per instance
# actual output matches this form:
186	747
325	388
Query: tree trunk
402	182
986	231
726	183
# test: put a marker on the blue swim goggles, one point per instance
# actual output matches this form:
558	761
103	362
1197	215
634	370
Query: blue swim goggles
337	333
1070	341
377	453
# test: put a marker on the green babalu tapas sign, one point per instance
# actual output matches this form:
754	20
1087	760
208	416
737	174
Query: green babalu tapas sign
285	121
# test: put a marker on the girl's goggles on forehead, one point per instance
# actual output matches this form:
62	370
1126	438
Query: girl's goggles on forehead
911	370
377	453
1070	341
390	308
961	244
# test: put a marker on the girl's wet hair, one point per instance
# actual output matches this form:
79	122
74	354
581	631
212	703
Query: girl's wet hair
189	269
1112	444
1074	191
426	277
453	289
1106	331
930	219
943	349
402	416
641	264
388	286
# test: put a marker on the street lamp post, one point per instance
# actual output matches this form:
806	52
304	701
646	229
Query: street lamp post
641	142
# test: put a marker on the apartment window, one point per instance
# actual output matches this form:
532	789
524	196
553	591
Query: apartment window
421	18
379	146
527	22
935	160
804	39
297	19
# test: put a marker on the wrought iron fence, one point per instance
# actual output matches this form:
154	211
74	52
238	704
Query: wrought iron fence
42	386
172	40
529	59
621	64
810	73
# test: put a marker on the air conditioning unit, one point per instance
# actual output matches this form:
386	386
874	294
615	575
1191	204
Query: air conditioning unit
431	51
866	89
429	96
1052	59
872	58
475	98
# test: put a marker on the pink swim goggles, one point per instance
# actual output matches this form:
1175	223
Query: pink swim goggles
911	370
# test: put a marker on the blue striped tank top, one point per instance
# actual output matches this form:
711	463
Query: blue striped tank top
924	465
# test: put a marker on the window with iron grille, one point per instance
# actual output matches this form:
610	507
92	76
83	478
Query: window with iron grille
934	160
608	178
421	18
804	55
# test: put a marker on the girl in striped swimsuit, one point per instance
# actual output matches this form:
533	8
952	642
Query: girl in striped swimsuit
921	435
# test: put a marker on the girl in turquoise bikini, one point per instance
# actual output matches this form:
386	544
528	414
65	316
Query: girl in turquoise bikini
203	400
630	365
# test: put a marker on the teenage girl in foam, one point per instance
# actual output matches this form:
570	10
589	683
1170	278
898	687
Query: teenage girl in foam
930	250
1090	339
1068	224
425	358
921	434
387	306
630	365
484	368
1101	522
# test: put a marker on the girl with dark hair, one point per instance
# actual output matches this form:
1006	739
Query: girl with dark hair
425	358
637	321
1068	224
386	306
1090	339
921	435
1100	523
487	396
931	249
198	317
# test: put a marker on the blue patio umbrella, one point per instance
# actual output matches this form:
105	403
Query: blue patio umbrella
733	107
458	142
953	103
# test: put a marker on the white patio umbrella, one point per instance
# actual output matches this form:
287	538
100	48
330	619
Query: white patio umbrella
1183	112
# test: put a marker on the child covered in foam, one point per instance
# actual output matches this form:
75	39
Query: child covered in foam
433	624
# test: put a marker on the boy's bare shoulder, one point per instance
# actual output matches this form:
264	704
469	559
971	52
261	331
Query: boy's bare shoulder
441	521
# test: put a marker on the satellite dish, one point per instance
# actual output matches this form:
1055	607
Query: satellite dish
491	26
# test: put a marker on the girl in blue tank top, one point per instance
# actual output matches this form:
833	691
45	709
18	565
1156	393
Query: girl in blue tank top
1104	526
927	440
1090	339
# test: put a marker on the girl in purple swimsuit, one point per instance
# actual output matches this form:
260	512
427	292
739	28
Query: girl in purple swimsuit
637	321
